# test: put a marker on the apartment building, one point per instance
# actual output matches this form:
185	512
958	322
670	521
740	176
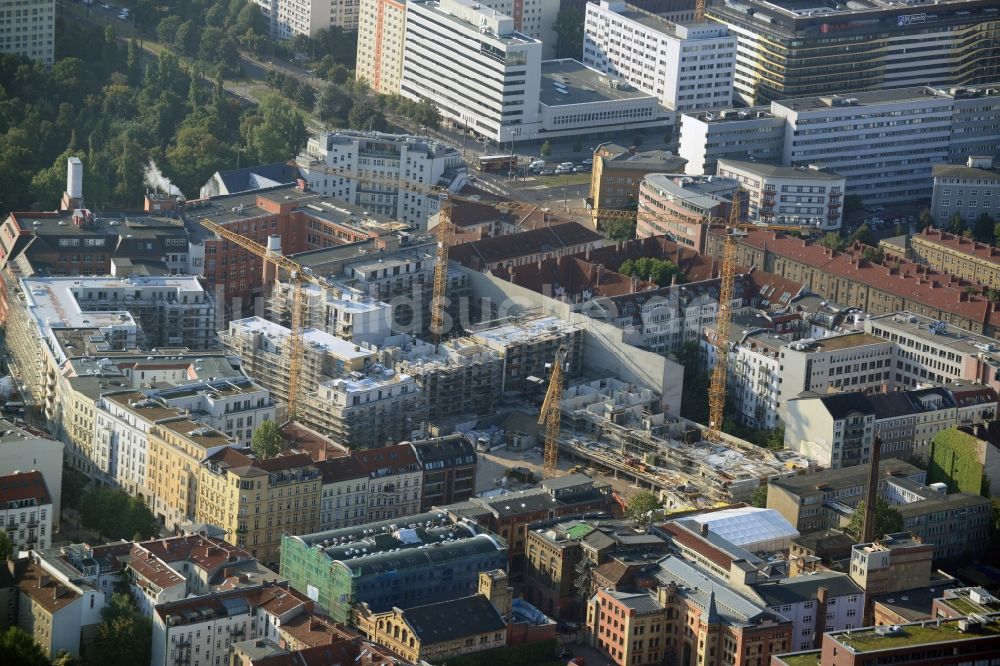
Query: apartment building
344	496
803	499
395	480
203	630
365	410
687	66
176	449
30	29
563	552
797	196
434	558
666	318
837	430
928	351
256	501
499	68
84	379
817	603
26	510
849	279
965	258
969	191
381	27
681	207
25	448
58	612
234	406
853	135
287	18
787	51
407	168
449	469
618	172
754	377
745	134
851	362
122	423
645	627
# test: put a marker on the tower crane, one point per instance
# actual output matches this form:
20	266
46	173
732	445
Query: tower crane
299	276
717	388
551	413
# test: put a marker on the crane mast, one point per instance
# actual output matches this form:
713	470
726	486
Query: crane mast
440	292
717	390
551	413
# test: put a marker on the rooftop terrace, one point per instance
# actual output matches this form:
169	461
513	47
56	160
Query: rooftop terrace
926	633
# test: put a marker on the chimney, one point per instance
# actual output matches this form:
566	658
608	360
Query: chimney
704	529
871	497
72	198
300	185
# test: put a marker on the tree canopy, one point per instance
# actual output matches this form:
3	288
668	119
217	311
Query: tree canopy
18	648
641	504
660	271
888	520
125	634
115	514
267	441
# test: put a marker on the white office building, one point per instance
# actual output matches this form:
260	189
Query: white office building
28	28
287	18
747	134
884	143
797	196
403	169
472	63
686	66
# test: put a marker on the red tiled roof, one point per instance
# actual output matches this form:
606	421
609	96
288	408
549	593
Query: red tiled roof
24	486
960	244
205	552
45	590
574	275
341	652
312	629
910	280
512	246
394	457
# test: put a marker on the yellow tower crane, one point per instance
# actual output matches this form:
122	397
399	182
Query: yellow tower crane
717	389
440	292
551	413
299	276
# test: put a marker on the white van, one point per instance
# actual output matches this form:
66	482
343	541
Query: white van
536	165
566	165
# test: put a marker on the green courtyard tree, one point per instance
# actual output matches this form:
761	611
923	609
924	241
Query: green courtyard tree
759	496
6	547
267	441
641	504
925	220
546	149
888	520
18	648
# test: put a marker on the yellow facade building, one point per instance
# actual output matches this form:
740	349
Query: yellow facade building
256	501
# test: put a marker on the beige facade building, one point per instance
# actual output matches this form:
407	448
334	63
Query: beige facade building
381	25
963	257
256	501
30	29
176	449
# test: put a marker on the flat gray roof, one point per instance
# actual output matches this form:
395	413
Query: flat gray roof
582	84
781	171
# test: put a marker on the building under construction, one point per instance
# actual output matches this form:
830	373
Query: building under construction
460	380
619	426
263	347
528	344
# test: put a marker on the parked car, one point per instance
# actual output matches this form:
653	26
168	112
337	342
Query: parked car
587	161
581	169
566	165
564	169
546	172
